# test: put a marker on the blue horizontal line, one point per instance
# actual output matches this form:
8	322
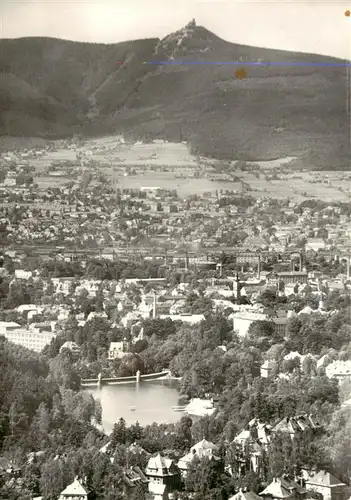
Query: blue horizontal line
242	63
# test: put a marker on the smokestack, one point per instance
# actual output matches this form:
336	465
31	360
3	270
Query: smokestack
300	259
237	286
166	260
259	267
154	307
348	268
186	261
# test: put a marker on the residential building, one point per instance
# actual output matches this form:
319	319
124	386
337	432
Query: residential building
297	424
163	475
268	368
75	491
255	440
328	485
339	370
283	488
22	274
280	325
134	477
202	449
245	495
315	244
243	320
7	327
118	350
288	277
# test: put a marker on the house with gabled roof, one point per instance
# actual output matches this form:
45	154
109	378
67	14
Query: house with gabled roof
133	477
245	495
297	424
75	491
328	485
163	475
255	431
201	449
253	441
283	488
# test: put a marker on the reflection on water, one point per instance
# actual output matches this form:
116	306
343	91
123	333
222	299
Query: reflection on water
153	402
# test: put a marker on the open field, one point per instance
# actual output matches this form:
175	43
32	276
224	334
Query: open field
171	166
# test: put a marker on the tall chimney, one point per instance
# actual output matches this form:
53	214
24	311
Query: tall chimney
154	307
348	267
186	261
259	267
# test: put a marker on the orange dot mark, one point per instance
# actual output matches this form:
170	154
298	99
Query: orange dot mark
241	73
347	13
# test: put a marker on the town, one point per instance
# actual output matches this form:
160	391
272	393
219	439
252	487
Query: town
166	344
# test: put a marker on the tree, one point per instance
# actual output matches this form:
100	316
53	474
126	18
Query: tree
204	478
119	433
183	433
135	433
53	479
41	426
160	328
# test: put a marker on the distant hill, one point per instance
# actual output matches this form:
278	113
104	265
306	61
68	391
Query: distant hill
52	88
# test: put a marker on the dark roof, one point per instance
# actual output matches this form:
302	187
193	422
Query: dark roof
134	476
292	273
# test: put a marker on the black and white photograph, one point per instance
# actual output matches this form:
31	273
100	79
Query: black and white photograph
175	250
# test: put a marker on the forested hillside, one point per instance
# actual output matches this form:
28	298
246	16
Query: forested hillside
54	88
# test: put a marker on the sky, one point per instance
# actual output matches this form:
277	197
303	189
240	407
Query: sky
316	26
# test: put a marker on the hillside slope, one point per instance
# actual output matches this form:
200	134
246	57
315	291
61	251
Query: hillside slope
60	87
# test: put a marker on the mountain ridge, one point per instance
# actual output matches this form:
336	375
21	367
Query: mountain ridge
65	87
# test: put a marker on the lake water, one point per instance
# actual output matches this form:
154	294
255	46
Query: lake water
153	402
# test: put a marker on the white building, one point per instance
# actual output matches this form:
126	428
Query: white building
202	449
242	321
117	350
23	275
339	370
75	491
72	346
328	485
32	338
245	495
267	369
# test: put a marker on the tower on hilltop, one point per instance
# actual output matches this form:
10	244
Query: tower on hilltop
192	23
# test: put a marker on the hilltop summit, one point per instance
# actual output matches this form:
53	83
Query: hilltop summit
189	40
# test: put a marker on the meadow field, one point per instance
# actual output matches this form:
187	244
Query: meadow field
171	166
